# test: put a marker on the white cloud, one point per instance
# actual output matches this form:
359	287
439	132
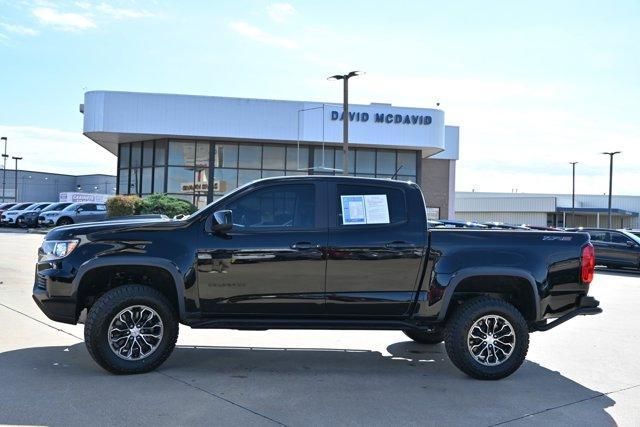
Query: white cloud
66	21
18	29
66	152
121	13
280	12
256	34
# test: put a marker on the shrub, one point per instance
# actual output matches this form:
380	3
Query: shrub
163	204
122	205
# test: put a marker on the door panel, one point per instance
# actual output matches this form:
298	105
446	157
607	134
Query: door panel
372	269
272	261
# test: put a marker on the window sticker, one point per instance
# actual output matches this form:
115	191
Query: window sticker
365	209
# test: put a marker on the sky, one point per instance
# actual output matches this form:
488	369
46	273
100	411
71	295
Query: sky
532	85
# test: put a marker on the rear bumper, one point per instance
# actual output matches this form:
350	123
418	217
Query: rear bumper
586	306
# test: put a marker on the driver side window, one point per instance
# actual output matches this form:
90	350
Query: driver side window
277	207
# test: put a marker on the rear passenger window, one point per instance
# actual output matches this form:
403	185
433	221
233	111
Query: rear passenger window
619	238
352	203
599	236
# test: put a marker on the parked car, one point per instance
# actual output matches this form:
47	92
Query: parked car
6	206
636	232
76	213
8	217
614	248
314	252
29	218
32	212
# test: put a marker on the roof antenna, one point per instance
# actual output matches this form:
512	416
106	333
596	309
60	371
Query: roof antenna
397	170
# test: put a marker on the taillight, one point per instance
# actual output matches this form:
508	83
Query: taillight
588	264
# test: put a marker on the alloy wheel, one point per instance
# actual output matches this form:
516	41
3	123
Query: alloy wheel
135	332
491	340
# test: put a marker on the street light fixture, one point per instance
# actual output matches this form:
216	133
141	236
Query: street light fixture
4	166
573	195
610	154
15	194
345	116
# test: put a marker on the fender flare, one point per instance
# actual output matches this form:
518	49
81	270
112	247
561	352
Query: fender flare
162	263
466	273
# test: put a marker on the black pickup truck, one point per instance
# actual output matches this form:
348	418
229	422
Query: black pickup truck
313	253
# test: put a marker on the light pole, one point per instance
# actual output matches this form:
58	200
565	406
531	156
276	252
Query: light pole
610	154
15	195
4	167
345	117
573	195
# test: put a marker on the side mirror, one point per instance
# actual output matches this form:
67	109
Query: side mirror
79	210
630	244
223	221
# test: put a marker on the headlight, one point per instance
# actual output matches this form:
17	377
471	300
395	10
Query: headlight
59	248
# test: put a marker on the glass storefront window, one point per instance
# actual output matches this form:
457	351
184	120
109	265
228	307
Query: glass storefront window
249	156
182	153
365	161
318	160
180	180
123	160
352	157
158	180
147	153
136	153
146	180
124	182
202	155
272	157
135	181
247	175
270	174
161	153
297	159
226	156
386	162
408	160
224	180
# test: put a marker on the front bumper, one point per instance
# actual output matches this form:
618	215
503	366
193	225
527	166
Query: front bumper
586	306
53	293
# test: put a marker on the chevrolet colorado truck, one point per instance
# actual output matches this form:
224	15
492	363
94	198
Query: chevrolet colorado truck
313	252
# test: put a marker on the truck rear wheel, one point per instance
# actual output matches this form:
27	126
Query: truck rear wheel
487	338
131	329
424	337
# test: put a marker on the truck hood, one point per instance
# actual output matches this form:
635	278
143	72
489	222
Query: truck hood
89	228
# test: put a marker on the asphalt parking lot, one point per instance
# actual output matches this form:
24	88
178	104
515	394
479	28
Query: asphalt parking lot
585	372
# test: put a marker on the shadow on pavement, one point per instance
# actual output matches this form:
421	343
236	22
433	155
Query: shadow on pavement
415	384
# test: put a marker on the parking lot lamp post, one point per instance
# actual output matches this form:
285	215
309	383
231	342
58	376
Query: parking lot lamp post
4	166
345	117
15	195
573	195
610	154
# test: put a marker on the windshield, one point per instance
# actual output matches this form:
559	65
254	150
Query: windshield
631	236
55	207
71	207
36	206
20	207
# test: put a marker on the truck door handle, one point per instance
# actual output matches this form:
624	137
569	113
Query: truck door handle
304	245
398	244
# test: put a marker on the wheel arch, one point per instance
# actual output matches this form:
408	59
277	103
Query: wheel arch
483	280
174	285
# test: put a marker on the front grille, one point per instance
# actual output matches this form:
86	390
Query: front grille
41	282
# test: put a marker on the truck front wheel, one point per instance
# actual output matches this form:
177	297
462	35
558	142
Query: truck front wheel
487	338
131	329
424	337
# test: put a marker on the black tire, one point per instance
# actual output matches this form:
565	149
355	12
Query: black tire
459	325
104	311
424	337
64	221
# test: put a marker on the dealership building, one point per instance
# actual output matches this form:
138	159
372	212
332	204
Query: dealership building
554	210
200	147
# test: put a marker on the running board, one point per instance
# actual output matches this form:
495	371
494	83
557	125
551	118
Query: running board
342	324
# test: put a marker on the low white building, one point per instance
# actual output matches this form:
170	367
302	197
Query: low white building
547	209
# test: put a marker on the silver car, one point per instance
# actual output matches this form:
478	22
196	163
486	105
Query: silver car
75	213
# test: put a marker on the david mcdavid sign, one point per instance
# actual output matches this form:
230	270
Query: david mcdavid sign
404	119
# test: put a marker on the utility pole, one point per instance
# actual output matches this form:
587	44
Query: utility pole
345	117
610	154
573	195
15	195
4	167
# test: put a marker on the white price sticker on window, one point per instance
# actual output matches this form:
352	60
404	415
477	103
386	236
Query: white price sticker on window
365	209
